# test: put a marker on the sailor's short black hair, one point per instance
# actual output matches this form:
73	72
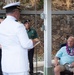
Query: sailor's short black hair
10	9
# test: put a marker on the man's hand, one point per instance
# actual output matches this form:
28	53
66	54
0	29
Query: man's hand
72	64
56	61
36	39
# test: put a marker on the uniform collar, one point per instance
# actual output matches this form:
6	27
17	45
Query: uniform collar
11	17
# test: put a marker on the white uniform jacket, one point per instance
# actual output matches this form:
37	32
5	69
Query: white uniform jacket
15	44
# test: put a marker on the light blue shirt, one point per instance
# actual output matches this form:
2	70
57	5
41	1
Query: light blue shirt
64	57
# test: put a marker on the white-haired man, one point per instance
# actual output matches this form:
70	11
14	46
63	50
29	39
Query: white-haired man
66	56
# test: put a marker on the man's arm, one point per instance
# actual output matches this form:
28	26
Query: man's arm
36	39
72	64
24	39
56	61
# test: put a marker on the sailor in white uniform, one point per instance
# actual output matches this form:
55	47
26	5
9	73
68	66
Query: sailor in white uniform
14	42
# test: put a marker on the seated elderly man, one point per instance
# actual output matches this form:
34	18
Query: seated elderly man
66	56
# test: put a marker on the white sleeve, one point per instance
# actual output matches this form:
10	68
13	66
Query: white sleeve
23	37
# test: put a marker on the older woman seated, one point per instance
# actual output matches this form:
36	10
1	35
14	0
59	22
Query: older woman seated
66	56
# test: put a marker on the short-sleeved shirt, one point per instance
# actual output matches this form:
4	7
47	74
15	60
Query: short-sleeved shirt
64	57
32	34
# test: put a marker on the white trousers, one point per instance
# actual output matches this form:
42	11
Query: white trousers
22	73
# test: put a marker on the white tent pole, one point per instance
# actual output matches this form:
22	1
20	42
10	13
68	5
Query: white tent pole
47	38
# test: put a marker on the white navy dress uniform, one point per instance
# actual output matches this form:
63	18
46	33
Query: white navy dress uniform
15	44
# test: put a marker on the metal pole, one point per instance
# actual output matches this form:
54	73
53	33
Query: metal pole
48	70
35	26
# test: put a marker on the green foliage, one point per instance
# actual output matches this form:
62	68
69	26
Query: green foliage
1	4
24	1
40	4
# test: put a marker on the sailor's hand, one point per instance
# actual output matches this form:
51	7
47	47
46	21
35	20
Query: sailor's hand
36	39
